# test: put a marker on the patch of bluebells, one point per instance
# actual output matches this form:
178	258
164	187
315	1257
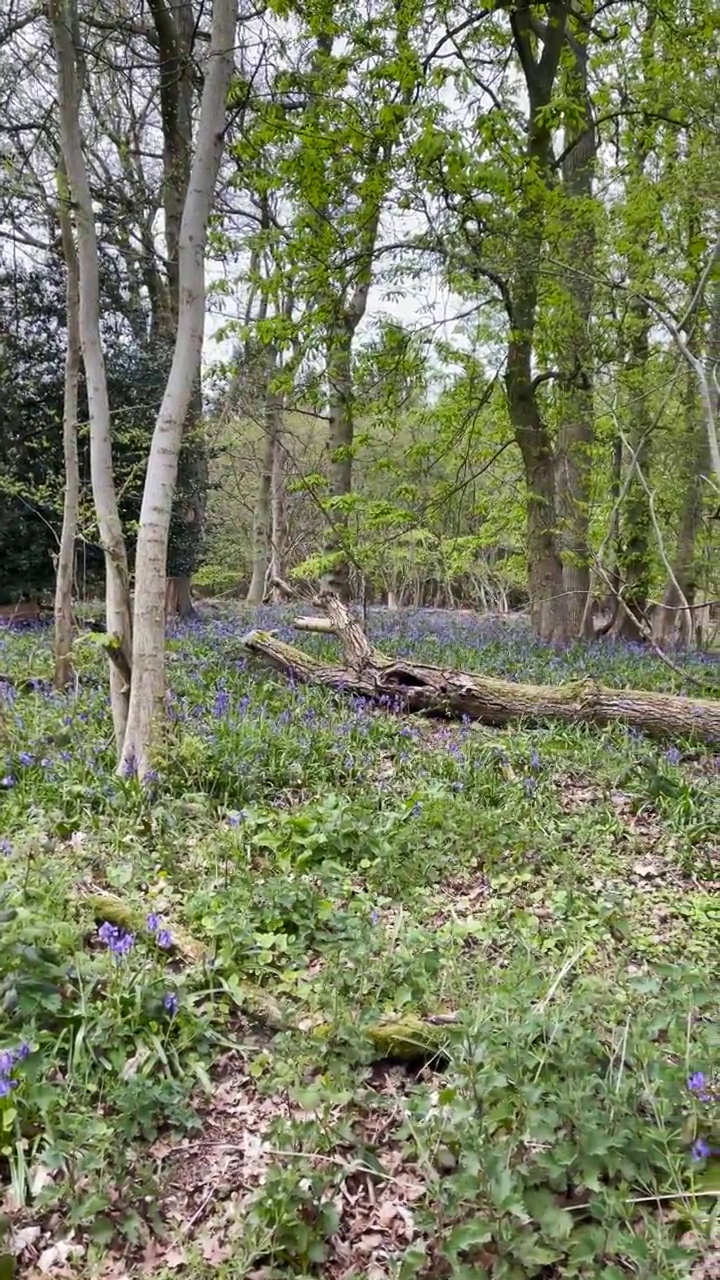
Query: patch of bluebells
163	936
118	940
9	1059
170	1003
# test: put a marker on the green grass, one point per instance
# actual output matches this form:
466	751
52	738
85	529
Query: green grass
551	893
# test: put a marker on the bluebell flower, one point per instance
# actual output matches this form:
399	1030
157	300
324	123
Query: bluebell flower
7	1061
6	1086
5	846
8	781
530	787
164	939
26	758
696	1081
119	941
673	756
153	922
697	1084
374	917
700	1149
170	1002
234	818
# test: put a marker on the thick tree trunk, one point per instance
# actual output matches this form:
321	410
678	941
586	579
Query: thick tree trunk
545	571
576	426
147	693
73	356
545	574
178	597
340	445
63	16
415	687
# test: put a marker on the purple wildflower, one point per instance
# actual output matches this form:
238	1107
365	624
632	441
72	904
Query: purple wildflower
700	1149
234	818
673	756
530	787
6	1086
7	1061
164	939
119	941
5	846
697	1084
374	917
7	782
170	1002
26	758
23	1051
153	922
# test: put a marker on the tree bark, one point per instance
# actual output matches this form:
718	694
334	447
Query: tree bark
63	17
672	622
633	563
66	556
263	532
416	687
340	444
278	522
576	426
545	571
148	658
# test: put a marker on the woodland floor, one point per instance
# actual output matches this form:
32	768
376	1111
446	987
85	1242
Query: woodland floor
556	890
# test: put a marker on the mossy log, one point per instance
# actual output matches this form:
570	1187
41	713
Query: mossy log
105	906
402	1039
416	687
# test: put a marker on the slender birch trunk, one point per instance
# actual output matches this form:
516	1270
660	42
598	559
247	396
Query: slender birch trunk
278	523
73	356
340	443
148	656
63	18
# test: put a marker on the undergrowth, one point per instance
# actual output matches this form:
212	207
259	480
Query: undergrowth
193	1087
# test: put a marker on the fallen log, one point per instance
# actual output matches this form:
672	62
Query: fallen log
416	687
407	1037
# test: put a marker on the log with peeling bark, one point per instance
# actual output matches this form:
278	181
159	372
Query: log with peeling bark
415	687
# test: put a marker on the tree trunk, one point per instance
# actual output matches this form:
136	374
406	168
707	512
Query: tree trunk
63	17
261	524
175	30
73	355
545	571
147	694
340	443
576	426
633	563
545	574
368	673
278	521
672	623
178	597
263	530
